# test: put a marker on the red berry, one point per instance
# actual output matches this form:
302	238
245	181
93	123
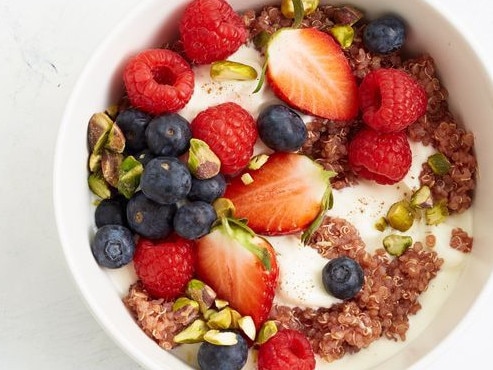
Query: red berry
391	100
288	349
165	266
158	81
382	157
231	133
211	30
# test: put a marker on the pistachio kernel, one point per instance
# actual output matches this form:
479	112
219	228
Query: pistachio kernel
98	129
247	325
257	161
202	161
226	70
396	245
110	166
202	293
129	176
98	185
436	214
439	164
220	303
421	198
194	333
112	111
184	303
246	178
221	338
344	34
235	318
381	224
224	207
116	139
220	319
400	215
94	162
207	314
287	7
267	331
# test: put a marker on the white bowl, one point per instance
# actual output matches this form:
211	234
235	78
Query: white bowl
463	74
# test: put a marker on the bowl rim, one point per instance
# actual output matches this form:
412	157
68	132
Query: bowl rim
84	289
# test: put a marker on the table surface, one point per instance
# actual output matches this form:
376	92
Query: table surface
44	323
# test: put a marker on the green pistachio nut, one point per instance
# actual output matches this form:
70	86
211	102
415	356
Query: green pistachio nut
129	176
439	164
221	338
98	129
202	293
194	333
99	186
344	34
396	245
220	319
257	161
247	325
202	161
401	215
422	198
116	139
381	224
287	7
224	207
226	70
436	214
110	166
267	331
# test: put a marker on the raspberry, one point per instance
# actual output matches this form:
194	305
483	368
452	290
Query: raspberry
158	81
391	100
230	131
288	349
382	157
165	266
211	30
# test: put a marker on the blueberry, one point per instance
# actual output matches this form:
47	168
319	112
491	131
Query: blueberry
281	128
342	277
148	218
166	180
144	156
216	357
133	124
194	219
385	34
168	135
207	190
111	211
113	246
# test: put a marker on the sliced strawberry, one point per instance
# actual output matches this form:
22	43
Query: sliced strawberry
308	70
286	195
240	266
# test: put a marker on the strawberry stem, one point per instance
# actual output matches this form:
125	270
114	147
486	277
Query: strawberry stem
299	13
240	232
326	204
261	77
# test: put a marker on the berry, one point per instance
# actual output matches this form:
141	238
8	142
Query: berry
391	100
286	194
288	349
158	81
148	218
144	156
211	30
194	220
133	124
385	34
231	133
165	266
382	157
307	69
240	266
168	135
207	190
217	357
281	128
111	211
343	277
166	180
113	246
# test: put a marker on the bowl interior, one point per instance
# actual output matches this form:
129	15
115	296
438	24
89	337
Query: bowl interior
99	86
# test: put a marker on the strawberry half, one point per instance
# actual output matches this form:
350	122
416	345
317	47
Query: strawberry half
240	266
308	70
287	194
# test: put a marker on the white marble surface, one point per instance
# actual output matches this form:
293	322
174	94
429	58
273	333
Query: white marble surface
44	323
